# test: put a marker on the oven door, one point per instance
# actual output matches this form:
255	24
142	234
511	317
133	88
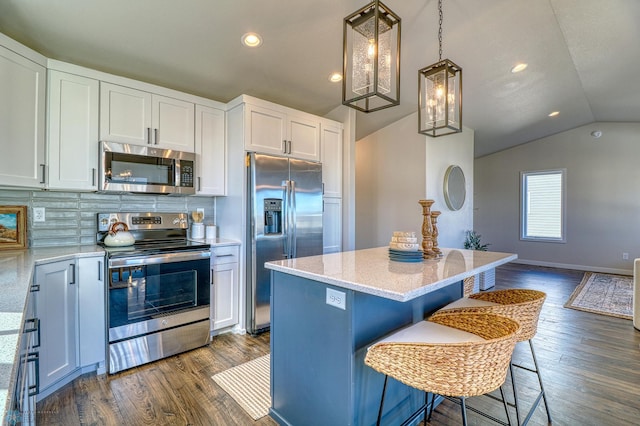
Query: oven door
145	290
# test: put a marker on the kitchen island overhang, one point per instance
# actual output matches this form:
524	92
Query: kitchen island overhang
326	310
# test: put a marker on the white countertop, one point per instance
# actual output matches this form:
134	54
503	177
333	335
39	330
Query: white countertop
371	271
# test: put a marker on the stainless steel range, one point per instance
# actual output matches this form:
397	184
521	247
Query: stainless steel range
159	289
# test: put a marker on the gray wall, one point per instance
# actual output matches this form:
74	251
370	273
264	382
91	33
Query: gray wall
395	167
390	179
71	216
603	202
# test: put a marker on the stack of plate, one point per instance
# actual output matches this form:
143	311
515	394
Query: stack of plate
404	247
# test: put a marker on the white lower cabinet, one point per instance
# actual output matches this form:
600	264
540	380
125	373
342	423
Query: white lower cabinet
70	304
91	312
57	309
224	291
332	225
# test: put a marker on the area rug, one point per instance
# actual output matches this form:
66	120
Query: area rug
248	384
604	294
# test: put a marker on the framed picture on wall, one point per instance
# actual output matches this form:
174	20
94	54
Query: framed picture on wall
13	227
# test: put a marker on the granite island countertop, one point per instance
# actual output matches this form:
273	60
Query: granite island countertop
371	271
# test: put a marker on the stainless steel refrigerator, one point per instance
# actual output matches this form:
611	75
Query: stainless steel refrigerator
284	220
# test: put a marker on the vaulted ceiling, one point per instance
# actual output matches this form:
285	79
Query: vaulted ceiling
583	55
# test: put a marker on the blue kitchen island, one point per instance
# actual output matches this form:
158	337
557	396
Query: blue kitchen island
326	310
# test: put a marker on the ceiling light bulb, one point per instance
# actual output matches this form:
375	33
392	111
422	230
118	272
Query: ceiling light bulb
596	134
251	40
554	113
519	67
335	77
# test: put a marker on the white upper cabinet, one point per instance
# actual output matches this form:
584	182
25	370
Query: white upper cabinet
22	120
73	131
331	149
125	114
173	123
134	116
303	136
211	151
282	132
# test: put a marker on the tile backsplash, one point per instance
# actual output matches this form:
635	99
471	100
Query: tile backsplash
70	217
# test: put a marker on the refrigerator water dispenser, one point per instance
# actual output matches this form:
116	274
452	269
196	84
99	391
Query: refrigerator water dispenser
272	216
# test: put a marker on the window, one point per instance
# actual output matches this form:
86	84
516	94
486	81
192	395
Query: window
543	205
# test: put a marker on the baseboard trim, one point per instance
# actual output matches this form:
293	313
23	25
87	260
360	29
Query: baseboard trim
576	267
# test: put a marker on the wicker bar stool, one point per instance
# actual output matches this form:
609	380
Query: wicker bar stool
522	305
456	355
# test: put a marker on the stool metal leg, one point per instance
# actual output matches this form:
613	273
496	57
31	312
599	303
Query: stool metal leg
384	390
515	392
542	395
506	407
463	407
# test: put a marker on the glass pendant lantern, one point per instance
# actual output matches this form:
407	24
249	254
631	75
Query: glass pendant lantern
440	103
371	58
440	95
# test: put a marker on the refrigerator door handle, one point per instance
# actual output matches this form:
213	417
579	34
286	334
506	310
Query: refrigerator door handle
285	216
292	194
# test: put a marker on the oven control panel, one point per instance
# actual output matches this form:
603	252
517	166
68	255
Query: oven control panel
152	220
137	221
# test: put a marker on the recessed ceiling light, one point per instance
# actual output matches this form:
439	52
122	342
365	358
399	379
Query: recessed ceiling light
554	113
335	77
519	67
251	40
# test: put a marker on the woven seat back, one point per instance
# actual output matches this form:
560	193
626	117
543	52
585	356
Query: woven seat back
452	369
522	305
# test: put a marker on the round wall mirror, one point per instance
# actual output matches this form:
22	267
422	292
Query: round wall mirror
454	188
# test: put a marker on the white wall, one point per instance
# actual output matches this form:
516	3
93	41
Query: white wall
603	197
442	152
396	167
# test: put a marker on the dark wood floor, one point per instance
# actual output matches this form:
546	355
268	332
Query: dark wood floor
590	364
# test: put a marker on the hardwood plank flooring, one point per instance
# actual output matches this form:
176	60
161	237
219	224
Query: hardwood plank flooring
590	365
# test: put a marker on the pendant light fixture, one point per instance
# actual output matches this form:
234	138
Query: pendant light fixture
371	58
440	94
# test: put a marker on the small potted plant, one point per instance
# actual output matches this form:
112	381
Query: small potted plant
473	241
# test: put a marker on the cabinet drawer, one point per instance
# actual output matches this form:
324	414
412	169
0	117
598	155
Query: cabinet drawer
226	254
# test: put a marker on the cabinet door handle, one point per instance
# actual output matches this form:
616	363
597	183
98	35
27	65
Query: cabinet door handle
149	135
100	270
34	328
155	136
289	150
211	276
44	166
93	176
35	358
284	146
224	255
72	266
34	288
199	184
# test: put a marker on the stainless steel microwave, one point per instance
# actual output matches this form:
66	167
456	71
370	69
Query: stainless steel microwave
137	168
